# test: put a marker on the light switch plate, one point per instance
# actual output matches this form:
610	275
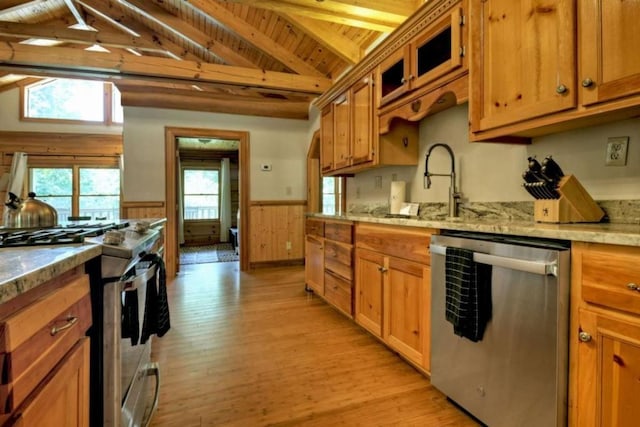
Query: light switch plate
616	151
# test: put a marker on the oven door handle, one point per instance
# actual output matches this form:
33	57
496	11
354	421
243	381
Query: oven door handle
543	268
133	283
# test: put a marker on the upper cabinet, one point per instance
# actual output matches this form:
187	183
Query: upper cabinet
530	75
353	143
524	60
609	44
370	116
434	53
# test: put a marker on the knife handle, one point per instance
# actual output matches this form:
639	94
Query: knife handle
534	165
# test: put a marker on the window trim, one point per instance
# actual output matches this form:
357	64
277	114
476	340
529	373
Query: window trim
55	162
212	168
107	99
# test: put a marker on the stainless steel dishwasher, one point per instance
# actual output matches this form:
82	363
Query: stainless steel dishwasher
516	375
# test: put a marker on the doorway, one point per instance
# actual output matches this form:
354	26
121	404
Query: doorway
172	135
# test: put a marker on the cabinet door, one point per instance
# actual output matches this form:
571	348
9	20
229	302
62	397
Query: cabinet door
393	76
368	300
326	139
314	264
609	46
341	125
63	399
608	372
362	126
438	51
524	60
406	309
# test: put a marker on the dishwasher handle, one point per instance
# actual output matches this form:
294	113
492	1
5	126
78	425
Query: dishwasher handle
536	267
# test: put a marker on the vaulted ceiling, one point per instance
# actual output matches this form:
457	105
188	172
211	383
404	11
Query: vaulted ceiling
257	57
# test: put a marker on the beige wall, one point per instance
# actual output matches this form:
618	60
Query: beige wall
279	142
490	172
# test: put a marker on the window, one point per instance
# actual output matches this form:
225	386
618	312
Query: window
96	195
332	196
72	100
201	193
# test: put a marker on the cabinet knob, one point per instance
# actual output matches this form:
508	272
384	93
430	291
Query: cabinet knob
381	269
587	82
561	89
633	287
584	336
403	80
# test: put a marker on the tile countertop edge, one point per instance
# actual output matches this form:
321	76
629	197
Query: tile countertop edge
615	234
28	268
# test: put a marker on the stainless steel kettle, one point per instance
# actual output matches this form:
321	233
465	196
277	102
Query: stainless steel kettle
29	213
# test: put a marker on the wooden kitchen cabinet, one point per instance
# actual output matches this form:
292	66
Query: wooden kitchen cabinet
45	374
357	145
434	53
609	44
605	345
539	69
329	262
523	60
393	288
326	138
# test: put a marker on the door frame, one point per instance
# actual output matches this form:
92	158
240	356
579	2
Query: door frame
171	175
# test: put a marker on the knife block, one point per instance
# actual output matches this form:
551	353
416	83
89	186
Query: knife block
574	205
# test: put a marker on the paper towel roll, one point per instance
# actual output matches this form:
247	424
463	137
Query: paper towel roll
396	198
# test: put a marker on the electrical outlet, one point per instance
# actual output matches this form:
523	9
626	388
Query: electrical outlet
377	183
616	151
288	246
394	177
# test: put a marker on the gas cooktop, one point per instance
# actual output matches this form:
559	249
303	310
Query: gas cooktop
59	235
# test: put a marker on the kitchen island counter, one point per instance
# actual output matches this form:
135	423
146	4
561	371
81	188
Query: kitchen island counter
24	268
610	233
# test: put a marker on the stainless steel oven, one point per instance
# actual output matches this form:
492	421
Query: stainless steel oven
129	380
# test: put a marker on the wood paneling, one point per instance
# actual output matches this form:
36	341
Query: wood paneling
276	231
141	210
261	351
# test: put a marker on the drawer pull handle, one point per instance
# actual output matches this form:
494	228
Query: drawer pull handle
71	320
633	287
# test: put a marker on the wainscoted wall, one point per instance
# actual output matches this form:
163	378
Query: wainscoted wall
276	232
141	210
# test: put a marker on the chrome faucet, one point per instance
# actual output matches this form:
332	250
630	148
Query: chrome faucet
454	196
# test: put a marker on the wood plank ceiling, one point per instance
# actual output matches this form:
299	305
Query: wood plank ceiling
257	57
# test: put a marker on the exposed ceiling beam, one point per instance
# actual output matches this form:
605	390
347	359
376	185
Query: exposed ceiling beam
80	23
187	32
248	32
373	15
53	32
349	51
113	65
10	6
189	100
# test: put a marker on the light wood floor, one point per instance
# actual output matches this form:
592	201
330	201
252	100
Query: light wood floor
254	349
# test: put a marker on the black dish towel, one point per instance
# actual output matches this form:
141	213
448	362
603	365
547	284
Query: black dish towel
468	293
156	315
130	321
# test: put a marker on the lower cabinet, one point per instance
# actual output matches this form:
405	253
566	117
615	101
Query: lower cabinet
608	371
605	336
62	399
314	264
393	288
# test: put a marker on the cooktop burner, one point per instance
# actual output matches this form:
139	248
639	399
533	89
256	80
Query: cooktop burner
59	235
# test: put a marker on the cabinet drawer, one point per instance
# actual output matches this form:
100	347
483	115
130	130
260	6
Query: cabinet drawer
337	291
610	276
403	242
34	339
314	227
337	258
339	231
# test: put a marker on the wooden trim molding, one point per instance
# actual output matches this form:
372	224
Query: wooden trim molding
62	143
278	203
158	204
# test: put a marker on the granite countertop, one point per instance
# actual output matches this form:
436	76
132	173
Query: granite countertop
24	268
618	234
